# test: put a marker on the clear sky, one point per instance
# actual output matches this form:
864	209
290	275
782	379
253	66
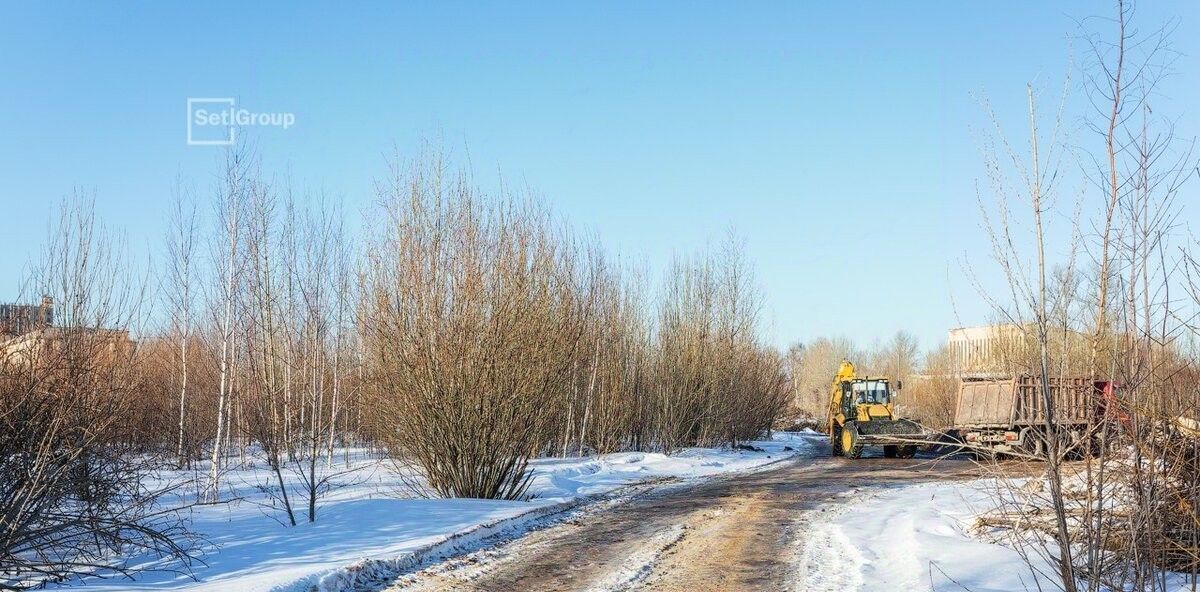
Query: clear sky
841	139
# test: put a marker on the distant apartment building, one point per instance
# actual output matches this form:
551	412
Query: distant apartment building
28	334
53	344
985	349
19	319
1006	349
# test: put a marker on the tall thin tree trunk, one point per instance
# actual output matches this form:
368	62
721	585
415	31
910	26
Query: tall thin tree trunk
1065	566
1110	149
183	355
226	334
587	405
333	404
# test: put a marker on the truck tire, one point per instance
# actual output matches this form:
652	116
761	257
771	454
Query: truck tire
951	443
906	451
850	441
1033	444
1104	441
1078	446
1072	445
835	441
1039	446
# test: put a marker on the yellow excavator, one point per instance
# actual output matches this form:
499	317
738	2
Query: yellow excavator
862	413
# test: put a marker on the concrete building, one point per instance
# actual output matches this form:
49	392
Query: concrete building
19	319
984	349
28	335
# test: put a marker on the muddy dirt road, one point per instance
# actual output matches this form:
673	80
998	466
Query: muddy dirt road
738	533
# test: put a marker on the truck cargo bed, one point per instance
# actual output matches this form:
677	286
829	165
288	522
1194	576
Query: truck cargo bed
1018	402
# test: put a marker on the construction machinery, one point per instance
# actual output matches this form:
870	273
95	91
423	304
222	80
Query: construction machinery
862	413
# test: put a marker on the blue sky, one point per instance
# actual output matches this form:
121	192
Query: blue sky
841	139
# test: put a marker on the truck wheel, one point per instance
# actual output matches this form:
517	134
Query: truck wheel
1083	446
1105	440
1033	445
1039	446
850	442
951	443
1072	445
890	451
906	451
835	441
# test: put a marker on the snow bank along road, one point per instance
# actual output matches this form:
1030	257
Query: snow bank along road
755	531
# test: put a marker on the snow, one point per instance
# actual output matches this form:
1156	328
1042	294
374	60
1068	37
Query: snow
365	522
926	546
640	563
917	537
911	537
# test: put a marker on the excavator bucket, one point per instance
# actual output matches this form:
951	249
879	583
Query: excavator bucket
897	431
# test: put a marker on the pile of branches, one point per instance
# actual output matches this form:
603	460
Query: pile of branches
1131	512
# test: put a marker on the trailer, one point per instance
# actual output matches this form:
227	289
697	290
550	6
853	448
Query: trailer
1008	415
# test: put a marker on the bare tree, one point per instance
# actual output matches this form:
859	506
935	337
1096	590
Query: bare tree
1115	528
231	192
1036	182
813	366
715	382
181	242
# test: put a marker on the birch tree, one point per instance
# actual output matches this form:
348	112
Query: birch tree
181	241
231	194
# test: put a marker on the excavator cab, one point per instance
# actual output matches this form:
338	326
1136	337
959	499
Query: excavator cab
866	392
866	399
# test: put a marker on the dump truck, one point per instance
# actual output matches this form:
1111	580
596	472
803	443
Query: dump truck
862	413
1008	414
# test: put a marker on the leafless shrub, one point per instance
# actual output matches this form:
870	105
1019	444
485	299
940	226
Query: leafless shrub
492	335
812	366
713	381
75	497
474	320
931	397
614	376
291	340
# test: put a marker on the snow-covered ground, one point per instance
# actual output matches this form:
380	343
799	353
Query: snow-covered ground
912	537
915	537
369	520
919	537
